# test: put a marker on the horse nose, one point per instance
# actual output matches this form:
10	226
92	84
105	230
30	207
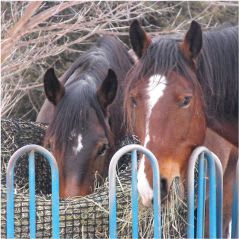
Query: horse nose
163	189
69	187
69	192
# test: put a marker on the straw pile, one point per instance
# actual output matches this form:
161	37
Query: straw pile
82	217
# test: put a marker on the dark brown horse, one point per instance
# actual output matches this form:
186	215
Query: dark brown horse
85	114
178	88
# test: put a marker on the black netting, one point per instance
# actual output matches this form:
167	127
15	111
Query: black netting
85	217
14	135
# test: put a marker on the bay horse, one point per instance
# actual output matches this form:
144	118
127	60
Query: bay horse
178	89
85	116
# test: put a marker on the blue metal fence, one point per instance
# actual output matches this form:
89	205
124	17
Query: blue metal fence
112	190
31	149
207	162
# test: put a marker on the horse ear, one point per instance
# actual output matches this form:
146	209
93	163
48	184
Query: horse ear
192	43
54	90
138	38
108	89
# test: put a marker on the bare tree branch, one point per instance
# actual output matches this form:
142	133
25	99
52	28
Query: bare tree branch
38	35
17	30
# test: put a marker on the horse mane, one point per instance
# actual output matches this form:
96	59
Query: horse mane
218	73
217	70
109	49
87	74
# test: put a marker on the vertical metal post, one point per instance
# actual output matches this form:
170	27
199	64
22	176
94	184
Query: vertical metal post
32	198
55	198
201	196
190	201
235	207
157	199
10	198
134	197
112	197
235	215
219	206
212	198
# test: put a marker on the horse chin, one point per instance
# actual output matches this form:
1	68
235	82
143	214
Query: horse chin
74	193
71	188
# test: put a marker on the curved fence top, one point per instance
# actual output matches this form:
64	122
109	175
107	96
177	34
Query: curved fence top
31	149
112	189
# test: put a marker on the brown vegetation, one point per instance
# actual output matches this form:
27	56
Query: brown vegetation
38	35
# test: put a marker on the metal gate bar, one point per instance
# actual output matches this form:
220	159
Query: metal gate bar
201	195
235	207
31	149
112	190
215	194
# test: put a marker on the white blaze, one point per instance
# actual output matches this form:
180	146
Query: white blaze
145	191
155	90
79	145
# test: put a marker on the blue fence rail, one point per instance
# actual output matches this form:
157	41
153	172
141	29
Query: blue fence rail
31	149
235	207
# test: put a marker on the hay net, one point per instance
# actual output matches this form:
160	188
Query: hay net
82	217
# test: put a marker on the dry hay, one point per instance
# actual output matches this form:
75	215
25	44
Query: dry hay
82	217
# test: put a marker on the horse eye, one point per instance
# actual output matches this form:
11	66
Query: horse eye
102	150
186	101
133	101
110	122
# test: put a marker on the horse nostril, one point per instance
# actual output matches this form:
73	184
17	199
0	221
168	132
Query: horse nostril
164	185
152	201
